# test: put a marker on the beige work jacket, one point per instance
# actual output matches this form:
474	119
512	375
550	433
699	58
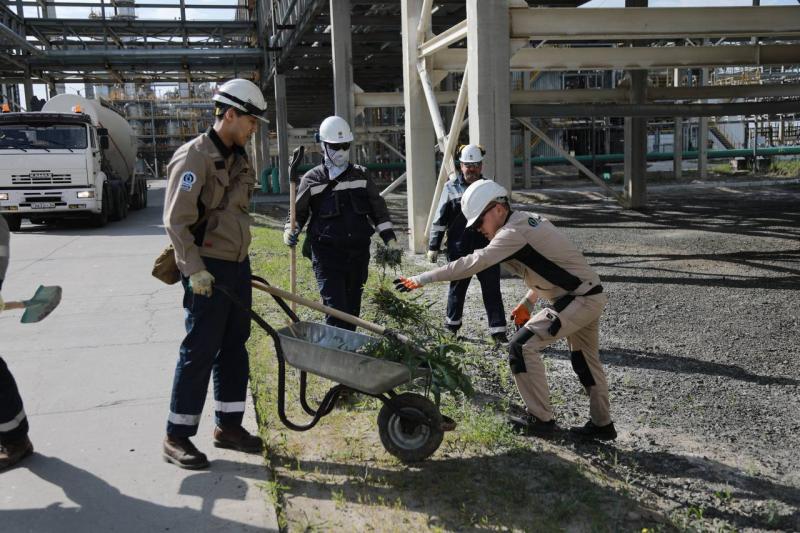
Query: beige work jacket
530	246
199	174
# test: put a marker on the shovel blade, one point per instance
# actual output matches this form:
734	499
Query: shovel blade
42	304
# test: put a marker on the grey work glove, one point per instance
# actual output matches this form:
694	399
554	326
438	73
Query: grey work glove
201	282
433	255
290	237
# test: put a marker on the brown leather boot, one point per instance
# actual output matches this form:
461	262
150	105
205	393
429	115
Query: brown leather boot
13	452
180	451
237	438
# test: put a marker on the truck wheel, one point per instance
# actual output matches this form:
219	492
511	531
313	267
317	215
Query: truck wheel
137	199
144	194
117	195
14	222
101	219
409	438
123	202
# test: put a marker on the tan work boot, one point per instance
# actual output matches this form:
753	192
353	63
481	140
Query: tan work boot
13	452
181	452
237	438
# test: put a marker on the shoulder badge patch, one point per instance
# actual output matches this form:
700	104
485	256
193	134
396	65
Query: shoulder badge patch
533	222
187	180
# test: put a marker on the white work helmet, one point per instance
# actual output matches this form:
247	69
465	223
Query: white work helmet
479	195
335	130
243	95
471	153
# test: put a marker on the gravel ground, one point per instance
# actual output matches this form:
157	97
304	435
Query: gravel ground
699	340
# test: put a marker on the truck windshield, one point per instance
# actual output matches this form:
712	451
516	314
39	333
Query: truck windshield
50	136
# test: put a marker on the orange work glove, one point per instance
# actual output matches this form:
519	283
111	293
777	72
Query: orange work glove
406	284
521	313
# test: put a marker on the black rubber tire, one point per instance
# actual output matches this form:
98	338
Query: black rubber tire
14	222
123	202
144	193
136	197
115	209
101	219
406	439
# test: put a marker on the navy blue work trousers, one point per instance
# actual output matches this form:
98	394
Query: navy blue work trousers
13	422
341	274
216	333
492	300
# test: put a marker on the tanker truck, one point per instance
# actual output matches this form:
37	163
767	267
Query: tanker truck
73	159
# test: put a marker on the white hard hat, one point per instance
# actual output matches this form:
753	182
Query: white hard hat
335	130
479	195
471	153
244	95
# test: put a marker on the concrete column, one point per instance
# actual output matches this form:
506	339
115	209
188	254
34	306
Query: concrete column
677	137
488	56
636	136
636	145
702	135
282	129
28	85
342	54
526	157
88	90
420	138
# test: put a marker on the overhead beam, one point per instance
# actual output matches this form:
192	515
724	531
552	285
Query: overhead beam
661	23
444	39
608	58
655	110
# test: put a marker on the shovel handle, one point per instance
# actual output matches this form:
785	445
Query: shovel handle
369	326
14	305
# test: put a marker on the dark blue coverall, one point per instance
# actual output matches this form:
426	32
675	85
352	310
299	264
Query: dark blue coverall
13	422
344	214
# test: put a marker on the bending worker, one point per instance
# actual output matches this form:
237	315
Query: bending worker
206	217
14	442
345	210
553	268
462	241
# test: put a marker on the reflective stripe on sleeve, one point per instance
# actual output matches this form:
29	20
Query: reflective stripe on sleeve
436	227
384	226
184	420
13	423
229	407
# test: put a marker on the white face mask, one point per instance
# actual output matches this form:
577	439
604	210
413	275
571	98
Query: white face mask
338	158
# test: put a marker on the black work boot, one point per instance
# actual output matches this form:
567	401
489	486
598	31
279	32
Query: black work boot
453	330
500	339
15	451
237	438
590	430
181	452
530	425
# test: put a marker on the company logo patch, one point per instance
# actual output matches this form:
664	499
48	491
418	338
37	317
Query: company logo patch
187	180
533	222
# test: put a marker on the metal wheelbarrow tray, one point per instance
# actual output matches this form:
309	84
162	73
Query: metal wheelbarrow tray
329	352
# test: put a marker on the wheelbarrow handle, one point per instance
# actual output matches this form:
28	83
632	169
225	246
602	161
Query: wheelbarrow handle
14	305
350	319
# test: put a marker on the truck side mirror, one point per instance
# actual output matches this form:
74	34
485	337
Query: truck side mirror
104	142
102	132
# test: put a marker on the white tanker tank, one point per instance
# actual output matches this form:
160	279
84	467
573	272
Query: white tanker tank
122	145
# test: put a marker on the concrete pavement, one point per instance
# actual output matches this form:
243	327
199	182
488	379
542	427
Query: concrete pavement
95	377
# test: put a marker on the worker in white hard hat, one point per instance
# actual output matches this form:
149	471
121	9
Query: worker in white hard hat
555	270
206	215
461	241
343	209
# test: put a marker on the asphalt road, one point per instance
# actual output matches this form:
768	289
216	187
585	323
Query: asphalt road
95	378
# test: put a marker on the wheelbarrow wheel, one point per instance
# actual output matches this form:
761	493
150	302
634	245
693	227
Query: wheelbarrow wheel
407	437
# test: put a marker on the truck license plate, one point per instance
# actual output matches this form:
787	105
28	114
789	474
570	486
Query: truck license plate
42	205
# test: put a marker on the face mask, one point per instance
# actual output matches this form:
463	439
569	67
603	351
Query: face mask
338	158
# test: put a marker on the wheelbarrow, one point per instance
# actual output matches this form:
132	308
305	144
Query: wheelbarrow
409	424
